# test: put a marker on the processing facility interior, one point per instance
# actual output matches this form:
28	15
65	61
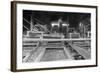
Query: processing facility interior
56	36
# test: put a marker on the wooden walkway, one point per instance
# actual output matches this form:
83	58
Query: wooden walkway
81	51
58	52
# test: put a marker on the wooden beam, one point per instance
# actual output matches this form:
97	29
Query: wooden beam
39	39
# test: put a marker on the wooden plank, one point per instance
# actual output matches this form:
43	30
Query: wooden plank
81	51
68	53
30	43
40	56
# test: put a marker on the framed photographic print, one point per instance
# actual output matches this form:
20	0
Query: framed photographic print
48	36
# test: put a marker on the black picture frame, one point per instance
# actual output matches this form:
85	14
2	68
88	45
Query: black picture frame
14	35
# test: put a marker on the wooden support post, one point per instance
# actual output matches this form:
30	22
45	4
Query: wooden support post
32	22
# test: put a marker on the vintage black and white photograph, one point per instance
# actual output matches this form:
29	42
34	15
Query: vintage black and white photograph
56	36
53	36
